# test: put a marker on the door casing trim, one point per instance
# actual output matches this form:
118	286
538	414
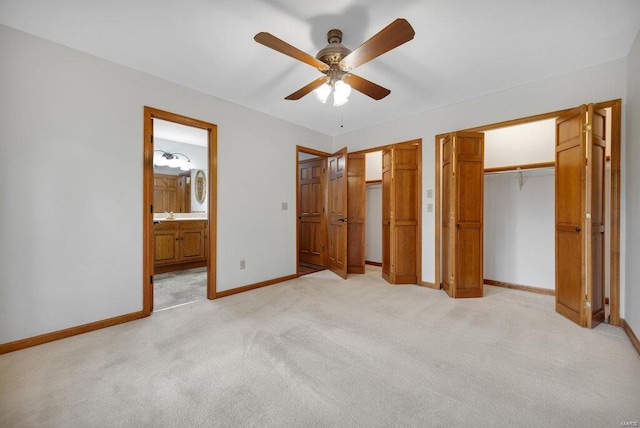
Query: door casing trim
151	113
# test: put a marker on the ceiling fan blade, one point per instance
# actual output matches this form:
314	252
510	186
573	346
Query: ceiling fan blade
392	36
275	43
368	88
310	87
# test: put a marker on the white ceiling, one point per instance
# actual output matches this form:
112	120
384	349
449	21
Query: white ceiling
463	49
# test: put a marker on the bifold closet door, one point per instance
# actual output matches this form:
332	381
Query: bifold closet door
337	195
580	165
462	214
400	215
356	201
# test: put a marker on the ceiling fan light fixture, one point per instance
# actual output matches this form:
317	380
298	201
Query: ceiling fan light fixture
322	92
341	92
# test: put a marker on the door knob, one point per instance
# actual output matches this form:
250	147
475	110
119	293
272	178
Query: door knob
578	229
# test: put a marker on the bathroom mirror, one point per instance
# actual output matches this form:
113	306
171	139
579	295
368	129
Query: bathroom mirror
200	186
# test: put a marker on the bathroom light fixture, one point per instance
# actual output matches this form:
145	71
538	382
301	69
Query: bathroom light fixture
172	160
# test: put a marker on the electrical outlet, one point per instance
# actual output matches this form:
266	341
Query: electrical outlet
429	193
242	264
429	208
285	206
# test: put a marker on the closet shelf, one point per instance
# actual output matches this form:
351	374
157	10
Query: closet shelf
515	168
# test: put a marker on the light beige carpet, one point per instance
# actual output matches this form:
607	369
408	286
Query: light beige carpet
320	351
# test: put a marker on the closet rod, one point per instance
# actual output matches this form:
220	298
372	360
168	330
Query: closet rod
516	168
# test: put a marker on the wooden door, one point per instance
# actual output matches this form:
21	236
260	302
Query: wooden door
463	176
447	258
386	214
580	162
337	195
311	239
570	208
596	202
356	185
400	213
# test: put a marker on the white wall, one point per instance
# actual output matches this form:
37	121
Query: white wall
373	223
631	167
373	166
71	140
373	228
519	229
600	83
521	144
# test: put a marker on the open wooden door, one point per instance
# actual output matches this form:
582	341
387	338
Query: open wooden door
338	212
311	211
580	157
462	214
356	184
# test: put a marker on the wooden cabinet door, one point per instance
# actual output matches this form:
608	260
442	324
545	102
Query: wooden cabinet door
166	243
337	195
580	157
192	241
311	239
400	213
356	184
463	176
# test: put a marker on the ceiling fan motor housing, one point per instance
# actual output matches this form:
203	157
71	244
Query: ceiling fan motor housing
333	53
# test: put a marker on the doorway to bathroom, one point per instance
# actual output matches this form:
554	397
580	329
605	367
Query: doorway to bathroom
179	210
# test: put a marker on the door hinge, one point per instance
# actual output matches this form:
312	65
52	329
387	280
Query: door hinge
587	303
151	209
151	139
587	215
586	128
151	279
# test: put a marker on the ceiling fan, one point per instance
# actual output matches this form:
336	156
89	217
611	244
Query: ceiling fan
336	61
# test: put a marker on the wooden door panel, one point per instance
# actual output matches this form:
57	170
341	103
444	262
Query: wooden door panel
405	266
386	214
311	233
469	255
404	221
356	188
597	144
569	294
446	192
570	209
468	191
338	212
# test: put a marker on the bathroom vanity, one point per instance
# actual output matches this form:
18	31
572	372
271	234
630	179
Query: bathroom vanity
179	244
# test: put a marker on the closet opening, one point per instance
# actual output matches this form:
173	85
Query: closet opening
526	233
